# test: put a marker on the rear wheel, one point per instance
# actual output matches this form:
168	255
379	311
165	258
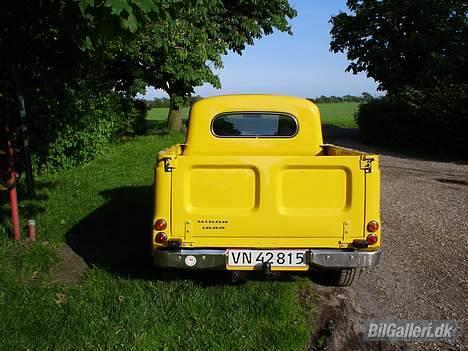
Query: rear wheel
336	277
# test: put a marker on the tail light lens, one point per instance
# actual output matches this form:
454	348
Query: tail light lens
372	226
372	239
160	224
160	238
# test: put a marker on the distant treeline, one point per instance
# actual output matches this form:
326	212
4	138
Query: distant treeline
165	102
346	98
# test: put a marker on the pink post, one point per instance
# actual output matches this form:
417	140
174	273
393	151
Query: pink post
13	194
15	214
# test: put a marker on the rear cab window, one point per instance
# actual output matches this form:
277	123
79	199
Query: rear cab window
254	125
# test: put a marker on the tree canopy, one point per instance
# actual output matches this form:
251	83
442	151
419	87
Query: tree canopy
403	42
417	52
178	55
79	58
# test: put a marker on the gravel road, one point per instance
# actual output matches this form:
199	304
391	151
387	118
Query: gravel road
423	274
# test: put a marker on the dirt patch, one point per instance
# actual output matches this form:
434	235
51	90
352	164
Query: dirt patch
71	267
339	325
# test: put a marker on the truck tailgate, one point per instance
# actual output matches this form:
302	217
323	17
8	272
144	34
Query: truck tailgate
268	201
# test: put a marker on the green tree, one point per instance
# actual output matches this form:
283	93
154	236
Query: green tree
60	49
84	61
417	51
404	42
366	96
194	44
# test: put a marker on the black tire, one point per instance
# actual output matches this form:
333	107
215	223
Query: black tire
335	277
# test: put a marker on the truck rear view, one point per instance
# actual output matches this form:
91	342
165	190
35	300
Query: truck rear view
255	188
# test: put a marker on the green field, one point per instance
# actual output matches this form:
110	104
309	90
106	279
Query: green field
339	115
333	115
160	114
103	210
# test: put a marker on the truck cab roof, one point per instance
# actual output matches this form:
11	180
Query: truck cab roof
254	125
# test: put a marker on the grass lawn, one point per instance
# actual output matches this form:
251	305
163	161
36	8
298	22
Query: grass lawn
103	210
339	115
333	115
160	113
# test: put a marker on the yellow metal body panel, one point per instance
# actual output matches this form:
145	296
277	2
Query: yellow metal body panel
201	141
280	197
264	192
218	188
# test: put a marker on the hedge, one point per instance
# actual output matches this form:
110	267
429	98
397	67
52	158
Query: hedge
434	119
76	127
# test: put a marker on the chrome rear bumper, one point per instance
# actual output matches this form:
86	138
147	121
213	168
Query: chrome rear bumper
216	259
344	259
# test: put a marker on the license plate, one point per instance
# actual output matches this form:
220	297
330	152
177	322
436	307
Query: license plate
256	259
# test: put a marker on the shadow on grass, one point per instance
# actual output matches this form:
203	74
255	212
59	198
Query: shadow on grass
116	237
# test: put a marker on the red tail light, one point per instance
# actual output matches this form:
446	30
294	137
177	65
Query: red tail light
160	238
160	224
372	226
372	239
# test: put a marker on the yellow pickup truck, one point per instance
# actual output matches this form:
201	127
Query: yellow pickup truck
255	188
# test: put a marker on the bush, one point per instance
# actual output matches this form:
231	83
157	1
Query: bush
76	127
434	119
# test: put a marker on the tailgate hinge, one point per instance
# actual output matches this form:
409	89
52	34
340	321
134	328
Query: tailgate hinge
168	165
366	164
188	233
346	228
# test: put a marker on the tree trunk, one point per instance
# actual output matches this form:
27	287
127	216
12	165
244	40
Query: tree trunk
174	122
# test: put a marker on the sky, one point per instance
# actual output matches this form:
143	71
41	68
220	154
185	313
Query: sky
299	65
